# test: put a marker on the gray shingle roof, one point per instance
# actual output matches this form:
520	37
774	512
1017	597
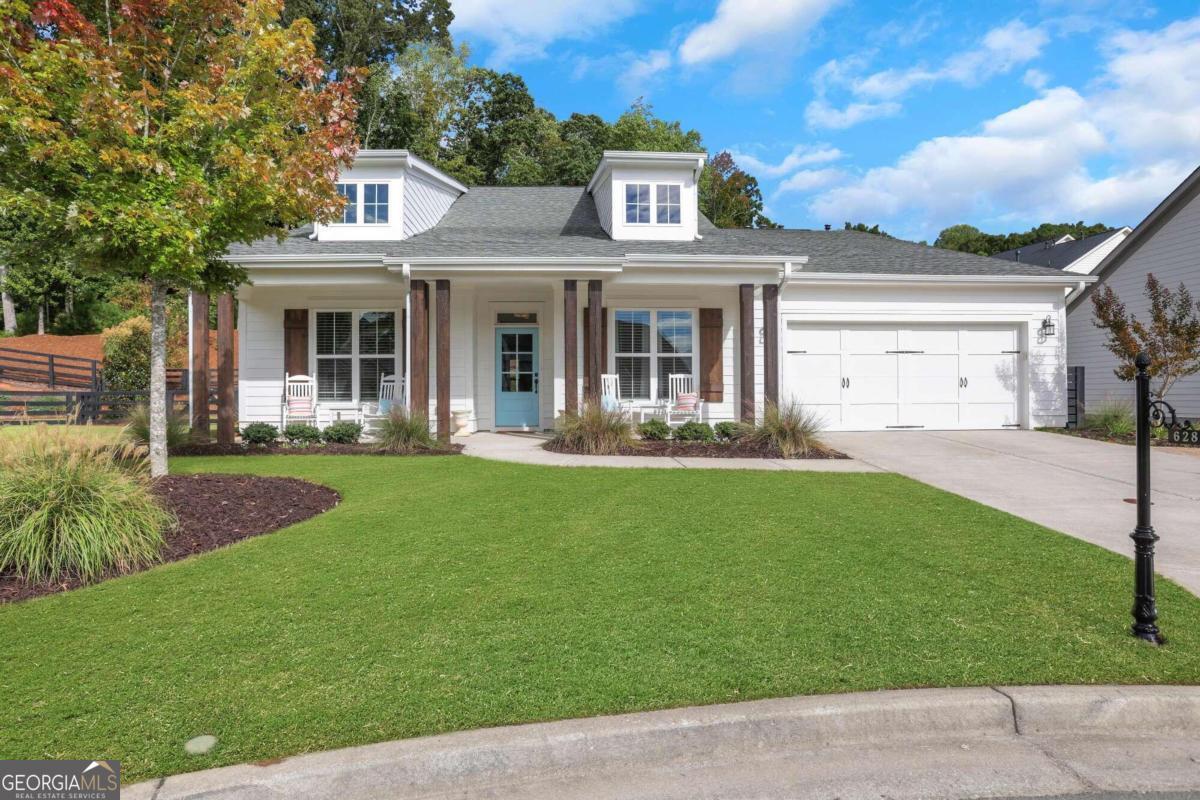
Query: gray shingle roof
561	222
1059	256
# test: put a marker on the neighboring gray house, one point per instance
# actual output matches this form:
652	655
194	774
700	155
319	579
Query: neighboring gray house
1166	243
1068	253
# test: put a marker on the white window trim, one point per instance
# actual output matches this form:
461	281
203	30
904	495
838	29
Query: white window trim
360	199
653	223
654	355
355	356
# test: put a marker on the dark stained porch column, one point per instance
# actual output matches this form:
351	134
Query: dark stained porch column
746	351
199	367
571	346
418	392
443	361
770	293
225	409
595	339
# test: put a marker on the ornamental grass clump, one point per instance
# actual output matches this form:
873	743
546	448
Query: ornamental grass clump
1110	417
137	427
594	431
403	432
75	509
789	428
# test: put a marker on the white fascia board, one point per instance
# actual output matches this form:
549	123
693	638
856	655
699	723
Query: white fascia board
408	160
639	158
314	260
861	277
662	260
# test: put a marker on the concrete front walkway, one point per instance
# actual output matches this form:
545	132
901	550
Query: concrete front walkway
1077	486
925	743
526	448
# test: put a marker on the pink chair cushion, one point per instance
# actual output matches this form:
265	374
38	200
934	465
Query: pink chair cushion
300	406
686	402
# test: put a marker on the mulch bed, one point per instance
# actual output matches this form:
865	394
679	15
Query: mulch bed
671	449
214	449
212	511
1101	436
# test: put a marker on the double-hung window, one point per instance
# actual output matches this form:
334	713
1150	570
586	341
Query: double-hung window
649	347
354	350
637	203
366	203
667	203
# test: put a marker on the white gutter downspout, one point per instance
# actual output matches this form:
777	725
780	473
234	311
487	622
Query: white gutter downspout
406	271
1078	288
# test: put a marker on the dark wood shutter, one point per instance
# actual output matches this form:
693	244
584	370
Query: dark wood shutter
295	341
712	364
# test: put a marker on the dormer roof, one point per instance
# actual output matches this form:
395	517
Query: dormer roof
648	159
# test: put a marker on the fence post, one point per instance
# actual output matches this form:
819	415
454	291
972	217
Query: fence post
50	367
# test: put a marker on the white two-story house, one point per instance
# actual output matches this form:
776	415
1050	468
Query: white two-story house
504	305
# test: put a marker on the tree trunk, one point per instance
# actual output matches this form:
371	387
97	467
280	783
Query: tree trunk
41	318
6	301
158	379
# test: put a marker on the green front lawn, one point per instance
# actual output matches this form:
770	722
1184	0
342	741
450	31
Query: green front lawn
449	593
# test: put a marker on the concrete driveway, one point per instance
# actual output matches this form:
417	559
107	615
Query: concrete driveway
1073	485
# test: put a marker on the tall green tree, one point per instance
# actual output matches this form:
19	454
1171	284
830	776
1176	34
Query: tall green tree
730	197
969	239
154	140
351	34
861	227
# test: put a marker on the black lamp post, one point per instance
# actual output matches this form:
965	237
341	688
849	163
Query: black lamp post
1145	612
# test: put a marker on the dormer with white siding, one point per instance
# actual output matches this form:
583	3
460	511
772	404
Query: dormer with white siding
390	195
648	196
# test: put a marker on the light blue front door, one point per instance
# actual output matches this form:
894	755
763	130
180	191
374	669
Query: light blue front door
517	378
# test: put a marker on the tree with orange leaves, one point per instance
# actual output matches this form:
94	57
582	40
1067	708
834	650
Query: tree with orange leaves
144	137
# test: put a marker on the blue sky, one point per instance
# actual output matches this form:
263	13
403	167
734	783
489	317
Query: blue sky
911	115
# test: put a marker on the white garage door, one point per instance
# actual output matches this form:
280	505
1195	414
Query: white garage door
867	377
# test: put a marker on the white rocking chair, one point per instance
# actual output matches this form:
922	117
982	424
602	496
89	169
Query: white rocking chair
610	394
684	404
299	400
388	397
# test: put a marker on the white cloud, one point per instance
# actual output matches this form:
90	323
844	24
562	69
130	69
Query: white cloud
740	25
806	180
800	156
641	71
820	114
1106	154
521	29
1036	79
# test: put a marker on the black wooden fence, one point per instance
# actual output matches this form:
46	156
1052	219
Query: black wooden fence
53	370
77	408
1075	397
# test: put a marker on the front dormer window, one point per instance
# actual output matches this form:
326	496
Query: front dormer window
637	203
373	210
666	208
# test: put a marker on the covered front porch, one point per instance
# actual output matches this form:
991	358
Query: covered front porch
514	346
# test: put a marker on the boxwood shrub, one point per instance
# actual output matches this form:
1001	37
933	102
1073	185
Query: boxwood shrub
654	430
301	433
694	432
342	432
726	431
259	433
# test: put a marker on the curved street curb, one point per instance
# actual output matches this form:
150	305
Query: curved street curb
908	743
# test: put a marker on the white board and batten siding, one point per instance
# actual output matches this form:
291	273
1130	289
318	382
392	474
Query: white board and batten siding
933	358
425	203
1172	254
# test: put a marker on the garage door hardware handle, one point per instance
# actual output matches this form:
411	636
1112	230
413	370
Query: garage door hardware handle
962	382
797	351
904	351
1011	425
1010	352
845	383
904	426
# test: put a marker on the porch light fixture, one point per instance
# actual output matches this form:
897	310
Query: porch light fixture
1047	327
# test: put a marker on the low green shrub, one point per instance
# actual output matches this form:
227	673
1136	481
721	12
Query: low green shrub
1110	417
726	431
342	432
137	427
403	432
694	432
299	434
654	430
594	431
73	508
127	355
790	428
260	433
